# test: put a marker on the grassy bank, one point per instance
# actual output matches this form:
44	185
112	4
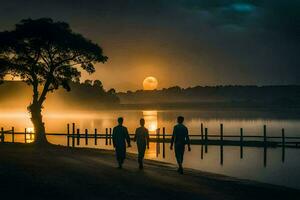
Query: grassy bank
64	173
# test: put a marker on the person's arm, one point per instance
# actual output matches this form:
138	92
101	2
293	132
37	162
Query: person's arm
188	139
147	138
114	137
134	139
172	139
127	137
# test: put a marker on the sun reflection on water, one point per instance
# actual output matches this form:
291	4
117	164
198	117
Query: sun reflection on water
150	117
29	135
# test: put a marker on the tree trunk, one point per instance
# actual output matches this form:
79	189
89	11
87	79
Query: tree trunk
39	127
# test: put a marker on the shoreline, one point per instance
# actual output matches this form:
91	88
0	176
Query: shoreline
206	174
87	172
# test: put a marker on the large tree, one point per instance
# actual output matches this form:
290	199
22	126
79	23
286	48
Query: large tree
46	55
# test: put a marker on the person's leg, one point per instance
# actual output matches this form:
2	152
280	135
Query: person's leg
179	150
177	155
181	158
140	160
123	154
139	154
120	163
141	150
118	157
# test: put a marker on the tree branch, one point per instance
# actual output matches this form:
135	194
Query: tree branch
45	91
48	81
49	78
65	60
44	59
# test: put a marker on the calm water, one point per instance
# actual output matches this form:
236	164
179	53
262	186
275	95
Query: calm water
250	167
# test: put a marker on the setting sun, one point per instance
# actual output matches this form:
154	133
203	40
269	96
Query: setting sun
150	83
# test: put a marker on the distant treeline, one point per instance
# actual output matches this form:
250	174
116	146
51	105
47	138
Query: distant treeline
92	95
280	95
86	95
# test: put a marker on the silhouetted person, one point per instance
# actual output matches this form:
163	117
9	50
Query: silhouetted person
120	136
180	137
142	140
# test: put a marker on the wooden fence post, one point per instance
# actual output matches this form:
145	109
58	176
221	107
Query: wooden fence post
221	144
95	136
164	147
158	139
86	137
201	129
283	145
157	143
265	145
202	141
2	134
206	139
13	134
73	134
25	134
110	136
78	136
68	135
241	143
106	136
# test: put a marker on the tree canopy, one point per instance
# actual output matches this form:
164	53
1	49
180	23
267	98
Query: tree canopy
43	51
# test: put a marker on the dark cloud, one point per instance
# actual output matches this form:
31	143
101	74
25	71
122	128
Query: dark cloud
184	42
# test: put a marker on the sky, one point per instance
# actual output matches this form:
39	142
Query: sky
180	42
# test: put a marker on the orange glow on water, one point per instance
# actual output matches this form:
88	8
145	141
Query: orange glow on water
29	135
151	120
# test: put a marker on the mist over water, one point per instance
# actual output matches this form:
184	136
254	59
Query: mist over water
250	167
252	122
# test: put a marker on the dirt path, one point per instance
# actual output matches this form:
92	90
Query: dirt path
62	173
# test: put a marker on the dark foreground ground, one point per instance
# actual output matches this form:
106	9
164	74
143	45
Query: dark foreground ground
63	173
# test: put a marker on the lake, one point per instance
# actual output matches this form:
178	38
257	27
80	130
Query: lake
250	167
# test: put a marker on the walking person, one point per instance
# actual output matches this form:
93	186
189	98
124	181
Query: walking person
142	140
180	138
120	136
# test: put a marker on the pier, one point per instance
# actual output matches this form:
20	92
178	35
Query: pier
75	136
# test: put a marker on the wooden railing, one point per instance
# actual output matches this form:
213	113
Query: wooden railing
75	135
